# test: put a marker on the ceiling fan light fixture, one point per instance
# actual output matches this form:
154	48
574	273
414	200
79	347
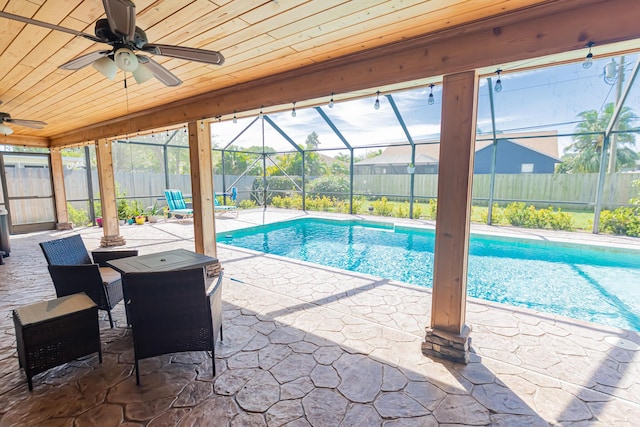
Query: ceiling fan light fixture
142	74
5	130
106	67
126	60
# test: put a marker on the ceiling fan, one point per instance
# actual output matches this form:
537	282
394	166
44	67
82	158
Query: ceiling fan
6	118
119	31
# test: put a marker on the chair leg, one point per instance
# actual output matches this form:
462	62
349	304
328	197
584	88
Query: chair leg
137	372
213	361
221	339
110	318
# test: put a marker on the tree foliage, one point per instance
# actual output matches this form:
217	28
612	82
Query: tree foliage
583	155
291	163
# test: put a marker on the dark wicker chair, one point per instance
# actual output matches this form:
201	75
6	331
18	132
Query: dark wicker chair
172	312
73	271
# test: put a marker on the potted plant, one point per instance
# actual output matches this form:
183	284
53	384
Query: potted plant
140	219
411	168
153	212
124	211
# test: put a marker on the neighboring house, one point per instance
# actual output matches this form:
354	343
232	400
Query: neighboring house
517	153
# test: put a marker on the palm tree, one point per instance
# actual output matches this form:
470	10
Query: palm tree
584	154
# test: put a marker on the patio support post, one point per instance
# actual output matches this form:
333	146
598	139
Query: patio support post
204	227
448	335
60	195
111	228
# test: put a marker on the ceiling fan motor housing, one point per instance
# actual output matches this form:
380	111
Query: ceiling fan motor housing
103	32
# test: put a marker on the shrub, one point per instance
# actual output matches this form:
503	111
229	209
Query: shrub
417	211
402	210
431	209
623	221
521	216
561	221
342	206
276	185
296	201
382	207
77	217
497	215
323	203
516	214
247	204
280	202
357	204
333	186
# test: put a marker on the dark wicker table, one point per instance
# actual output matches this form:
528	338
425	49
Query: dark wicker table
54	332
175	259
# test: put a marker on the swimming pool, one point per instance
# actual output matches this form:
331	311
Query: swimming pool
591	283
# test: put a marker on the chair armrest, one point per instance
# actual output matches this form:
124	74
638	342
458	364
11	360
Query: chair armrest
214	286
101	257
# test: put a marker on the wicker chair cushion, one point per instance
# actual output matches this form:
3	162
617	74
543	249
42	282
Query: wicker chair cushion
109	275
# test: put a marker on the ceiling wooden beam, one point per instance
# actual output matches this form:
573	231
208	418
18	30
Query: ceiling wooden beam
547	29
22	140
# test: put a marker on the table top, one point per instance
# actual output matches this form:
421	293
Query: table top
47	310
175	259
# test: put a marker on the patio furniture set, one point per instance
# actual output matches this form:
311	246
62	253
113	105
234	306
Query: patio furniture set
167	305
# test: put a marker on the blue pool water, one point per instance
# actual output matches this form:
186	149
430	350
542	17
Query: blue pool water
596	284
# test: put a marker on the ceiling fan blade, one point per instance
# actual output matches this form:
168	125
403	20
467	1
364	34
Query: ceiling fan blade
49	26
188	53
159	72
121	15
35	124
84	60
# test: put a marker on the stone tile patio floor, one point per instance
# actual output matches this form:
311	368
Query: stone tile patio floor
308	345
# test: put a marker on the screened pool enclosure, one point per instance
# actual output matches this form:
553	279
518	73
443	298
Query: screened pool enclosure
561	137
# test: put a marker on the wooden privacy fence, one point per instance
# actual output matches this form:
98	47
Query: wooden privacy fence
145	187
576	191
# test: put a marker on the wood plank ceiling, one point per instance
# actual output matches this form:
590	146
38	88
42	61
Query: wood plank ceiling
258	38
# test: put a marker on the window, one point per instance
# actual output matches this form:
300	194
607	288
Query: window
526	168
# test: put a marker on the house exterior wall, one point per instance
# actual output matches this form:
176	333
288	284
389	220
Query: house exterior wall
511	158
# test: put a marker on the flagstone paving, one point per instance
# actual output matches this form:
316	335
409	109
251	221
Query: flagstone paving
306	345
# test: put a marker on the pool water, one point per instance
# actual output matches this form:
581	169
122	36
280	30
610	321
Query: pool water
591	283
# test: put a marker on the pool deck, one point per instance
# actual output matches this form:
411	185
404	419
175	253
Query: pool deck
311	345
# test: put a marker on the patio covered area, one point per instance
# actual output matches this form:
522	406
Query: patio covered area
304	345
310	345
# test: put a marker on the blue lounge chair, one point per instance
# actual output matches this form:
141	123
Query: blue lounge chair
222	209
177	205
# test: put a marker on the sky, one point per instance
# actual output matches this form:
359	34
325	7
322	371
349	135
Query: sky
535	100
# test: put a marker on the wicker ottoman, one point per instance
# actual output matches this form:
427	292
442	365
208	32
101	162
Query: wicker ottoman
51	333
